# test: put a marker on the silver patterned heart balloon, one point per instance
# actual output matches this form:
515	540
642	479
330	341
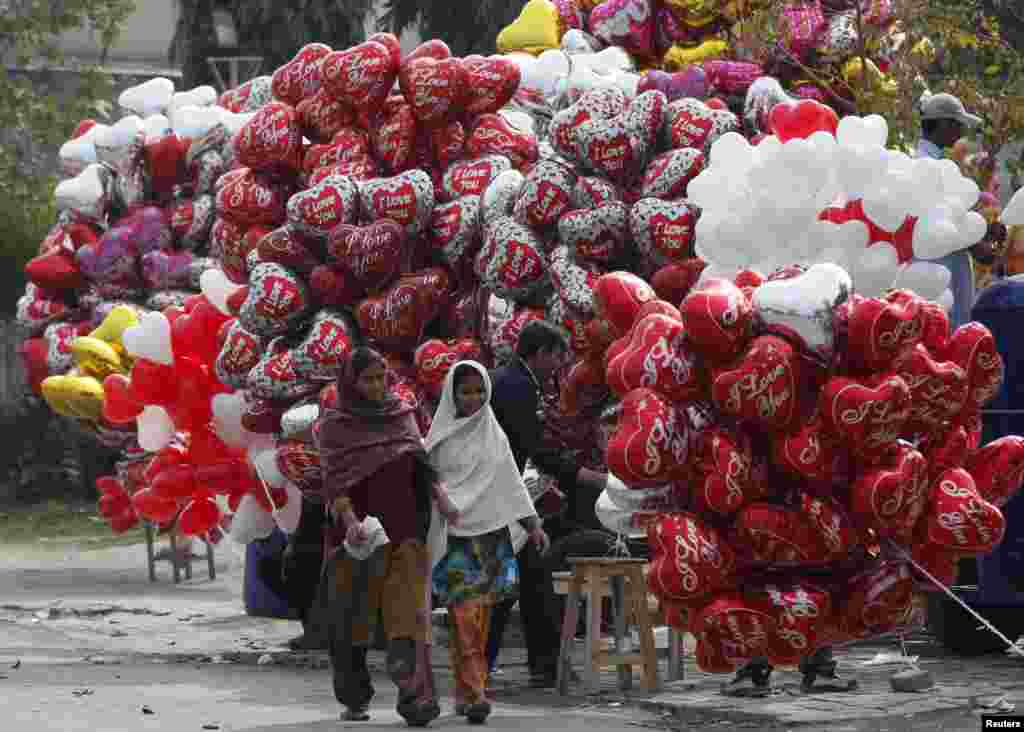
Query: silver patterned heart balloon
297	422
802	308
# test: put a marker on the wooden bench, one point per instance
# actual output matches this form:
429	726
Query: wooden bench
178	562
676	639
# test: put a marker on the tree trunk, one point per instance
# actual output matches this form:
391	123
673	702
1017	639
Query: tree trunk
195	41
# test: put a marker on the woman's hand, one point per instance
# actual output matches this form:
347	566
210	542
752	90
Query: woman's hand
448	509
541	540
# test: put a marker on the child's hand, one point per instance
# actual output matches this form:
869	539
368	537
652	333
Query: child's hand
448	509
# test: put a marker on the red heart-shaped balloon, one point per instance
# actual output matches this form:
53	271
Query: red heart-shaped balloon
455	231
154	507
597	234
690	558
770	533
121	405
287	247
650	444
810	453
495	135
938	389
973	348
395	319
326	345
800	120
394	138
545	194
199	516
731	632
263	416
880	331
998	469
407	199
718	319
762	386
618	297
250	199
669	174
797	616
434	88
361	76
56	271
726	477
834	528
657	358
877	601
272	140
301	77
299	462
893	496
602	103
433	360
372	254
868	416
345	145
491	83
511	262
960	519
674	281
321	116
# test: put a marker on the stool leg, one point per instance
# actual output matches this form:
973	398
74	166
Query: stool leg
618	588
643	619
676	655
174	557
211	570
150	560
572	611
591	671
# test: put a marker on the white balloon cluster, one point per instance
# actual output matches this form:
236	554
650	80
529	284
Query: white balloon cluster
761	207
556	72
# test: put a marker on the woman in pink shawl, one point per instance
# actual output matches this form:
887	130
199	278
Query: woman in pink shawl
374	465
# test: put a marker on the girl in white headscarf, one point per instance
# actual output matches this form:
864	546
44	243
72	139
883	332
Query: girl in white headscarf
473	560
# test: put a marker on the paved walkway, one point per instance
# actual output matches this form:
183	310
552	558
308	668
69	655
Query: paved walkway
101	605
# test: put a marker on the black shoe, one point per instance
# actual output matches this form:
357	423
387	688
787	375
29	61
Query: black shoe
419	714
356	714
479	712
543	680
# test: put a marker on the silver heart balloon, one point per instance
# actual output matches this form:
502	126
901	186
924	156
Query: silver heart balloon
625	498
576	41
500	196
297	422
802	308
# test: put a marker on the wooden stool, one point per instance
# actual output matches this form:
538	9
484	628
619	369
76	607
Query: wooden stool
176	561
622	580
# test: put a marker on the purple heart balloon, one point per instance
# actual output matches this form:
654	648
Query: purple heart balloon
113	258
163	270
692	82
150	229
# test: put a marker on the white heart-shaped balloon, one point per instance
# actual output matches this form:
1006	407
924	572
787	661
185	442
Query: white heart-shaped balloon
193	121
875	271
519	120
122	133
233	121
973	227
227	419
297	422
1013	214
86	193
264	461
217	288
613	58
150	338
803	307
927	279
156	428
156	126
147	98
75	155
251	522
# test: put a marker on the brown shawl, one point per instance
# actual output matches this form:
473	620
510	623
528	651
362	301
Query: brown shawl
360	437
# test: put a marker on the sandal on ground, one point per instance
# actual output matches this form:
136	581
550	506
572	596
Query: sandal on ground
419	713
479	712
461	708
356	714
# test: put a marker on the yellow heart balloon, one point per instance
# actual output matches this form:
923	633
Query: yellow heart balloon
694	13
534	31
679	57
878	82
118	320
97	358
74	396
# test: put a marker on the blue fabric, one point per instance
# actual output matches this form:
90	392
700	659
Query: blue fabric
961	284
961	270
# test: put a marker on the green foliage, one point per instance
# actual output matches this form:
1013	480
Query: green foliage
33	122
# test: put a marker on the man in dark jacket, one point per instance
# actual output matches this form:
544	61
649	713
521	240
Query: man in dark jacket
516	401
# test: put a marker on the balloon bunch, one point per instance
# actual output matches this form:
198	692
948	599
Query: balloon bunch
689	49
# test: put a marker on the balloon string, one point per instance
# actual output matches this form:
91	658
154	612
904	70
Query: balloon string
1011	645
266	488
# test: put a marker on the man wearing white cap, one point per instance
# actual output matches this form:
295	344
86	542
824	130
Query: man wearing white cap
944	121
